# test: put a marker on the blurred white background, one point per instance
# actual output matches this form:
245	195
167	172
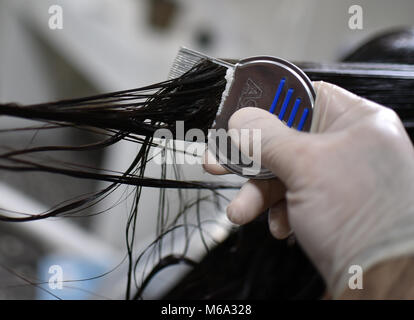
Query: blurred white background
108	45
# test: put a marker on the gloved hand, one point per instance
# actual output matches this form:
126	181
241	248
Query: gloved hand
346	189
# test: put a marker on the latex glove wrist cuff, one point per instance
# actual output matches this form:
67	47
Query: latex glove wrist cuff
398	243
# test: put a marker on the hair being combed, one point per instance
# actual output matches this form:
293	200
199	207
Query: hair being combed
135	115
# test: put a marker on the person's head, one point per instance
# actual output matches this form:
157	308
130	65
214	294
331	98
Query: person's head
395	46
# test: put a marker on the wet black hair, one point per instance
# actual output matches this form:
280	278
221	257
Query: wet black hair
249	264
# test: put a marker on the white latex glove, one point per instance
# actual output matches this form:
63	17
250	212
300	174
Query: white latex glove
346	189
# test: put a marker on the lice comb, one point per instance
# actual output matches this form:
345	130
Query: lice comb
264	82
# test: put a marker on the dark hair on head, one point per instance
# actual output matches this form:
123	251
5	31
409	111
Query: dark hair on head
395	46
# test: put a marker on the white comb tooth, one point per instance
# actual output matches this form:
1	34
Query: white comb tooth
183	62
187	58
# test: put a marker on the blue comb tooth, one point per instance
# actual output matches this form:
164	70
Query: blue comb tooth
293	112
277	96
303	119
285	104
